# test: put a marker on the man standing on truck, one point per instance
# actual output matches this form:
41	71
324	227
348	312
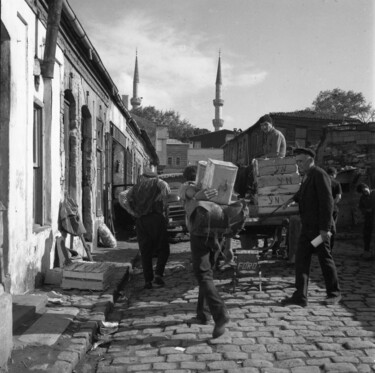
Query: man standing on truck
275	144
316	207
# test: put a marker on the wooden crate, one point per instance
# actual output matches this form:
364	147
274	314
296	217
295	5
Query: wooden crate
87	275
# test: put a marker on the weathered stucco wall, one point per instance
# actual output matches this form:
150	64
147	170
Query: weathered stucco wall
30	250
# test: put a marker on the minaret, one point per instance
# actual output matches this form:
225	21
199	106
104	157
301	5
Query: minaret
218	102
135	100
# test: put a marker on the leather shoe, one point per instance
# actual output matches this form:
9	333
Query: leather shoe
199	320
148	285
332	300
292	301
219	328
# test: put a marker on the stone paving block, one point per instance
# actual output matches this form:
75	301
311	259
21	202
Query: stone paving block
306	370
278	347
257	363
243	370
345	359
289	363
359	345
164	366
199	349
317	362
235	355
125	360
254	348
320	354
222	365
138	367
194	365
209	357
243	341
363	368
152	359
179	358
289	355
293	340
339	367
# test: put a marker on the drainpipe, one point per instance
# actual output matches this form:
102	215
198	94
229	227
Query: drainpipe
53	24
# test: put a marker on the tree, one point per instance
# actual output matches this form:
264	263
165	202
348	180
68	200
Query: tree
343	103
178	128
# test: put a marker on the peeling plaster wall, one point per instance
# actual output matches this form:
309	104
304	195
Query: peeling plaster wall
30	251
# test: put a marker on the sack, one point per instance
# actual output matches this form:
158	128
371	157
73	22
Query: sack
124	201
210	218
70	221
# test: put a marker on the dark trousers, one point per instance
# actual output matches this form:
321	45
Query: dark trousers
368	227
335	215
303	262
152	238
209	300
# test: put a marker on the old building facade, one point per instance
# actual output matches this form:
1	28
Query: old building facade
65	134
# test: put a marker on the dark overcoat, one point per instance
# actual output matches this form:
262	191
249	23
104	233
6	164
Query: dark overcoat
315	202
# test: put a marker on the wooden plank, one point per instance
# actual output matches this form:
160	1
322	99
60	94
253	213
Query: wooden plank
278	189
277	170
268	210
285	179
271	200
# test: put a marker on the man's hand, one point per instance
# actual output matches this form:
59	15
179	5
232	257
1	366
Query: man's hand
288	203
325	235
206	194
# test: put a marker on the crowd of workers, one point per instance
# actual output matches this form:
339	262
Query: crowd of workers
317	198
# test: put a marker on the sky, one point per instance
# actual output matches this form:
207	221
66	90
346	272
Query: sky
276	55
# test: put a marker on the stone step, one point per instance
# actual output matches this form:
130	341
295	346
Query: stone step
26	308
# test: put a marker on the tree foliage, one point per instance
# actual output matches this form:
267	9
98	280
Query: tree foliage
180	129
343	104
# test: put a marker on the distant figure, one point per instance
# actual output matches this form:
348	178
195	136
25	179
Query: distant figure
315	204
367	207
275	144
148	200
336	194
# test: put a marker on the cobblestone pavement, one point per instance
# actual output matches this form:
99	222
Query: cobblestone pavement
151	331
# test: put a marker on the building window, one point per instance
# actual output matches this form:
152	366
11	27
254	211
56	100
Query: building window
177	161
99	167
38	205
169	161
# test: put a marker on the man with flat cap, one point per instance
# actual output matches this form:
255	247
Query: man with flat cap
315	203
274	145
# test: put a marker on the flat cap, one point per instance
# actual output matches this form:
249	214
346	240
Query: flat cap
306	151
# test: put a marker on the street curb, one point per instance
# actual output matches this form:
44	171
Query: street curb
82	340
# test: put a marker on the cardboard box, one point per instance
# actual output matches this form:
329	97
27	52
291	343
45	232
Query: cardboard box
220	175
200	171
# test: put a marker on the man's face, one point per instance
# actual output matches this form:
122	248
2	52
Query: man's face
304	162
265	127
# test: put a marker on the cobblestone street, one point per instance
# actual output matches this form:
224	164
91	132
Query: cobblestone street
151	331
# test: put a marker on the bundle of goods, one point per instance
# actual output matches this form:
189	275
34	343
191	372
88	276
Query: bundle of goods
277	180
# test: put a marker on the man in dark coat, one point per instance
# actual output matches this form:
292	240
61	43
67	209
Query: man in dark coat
367	207
315	206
